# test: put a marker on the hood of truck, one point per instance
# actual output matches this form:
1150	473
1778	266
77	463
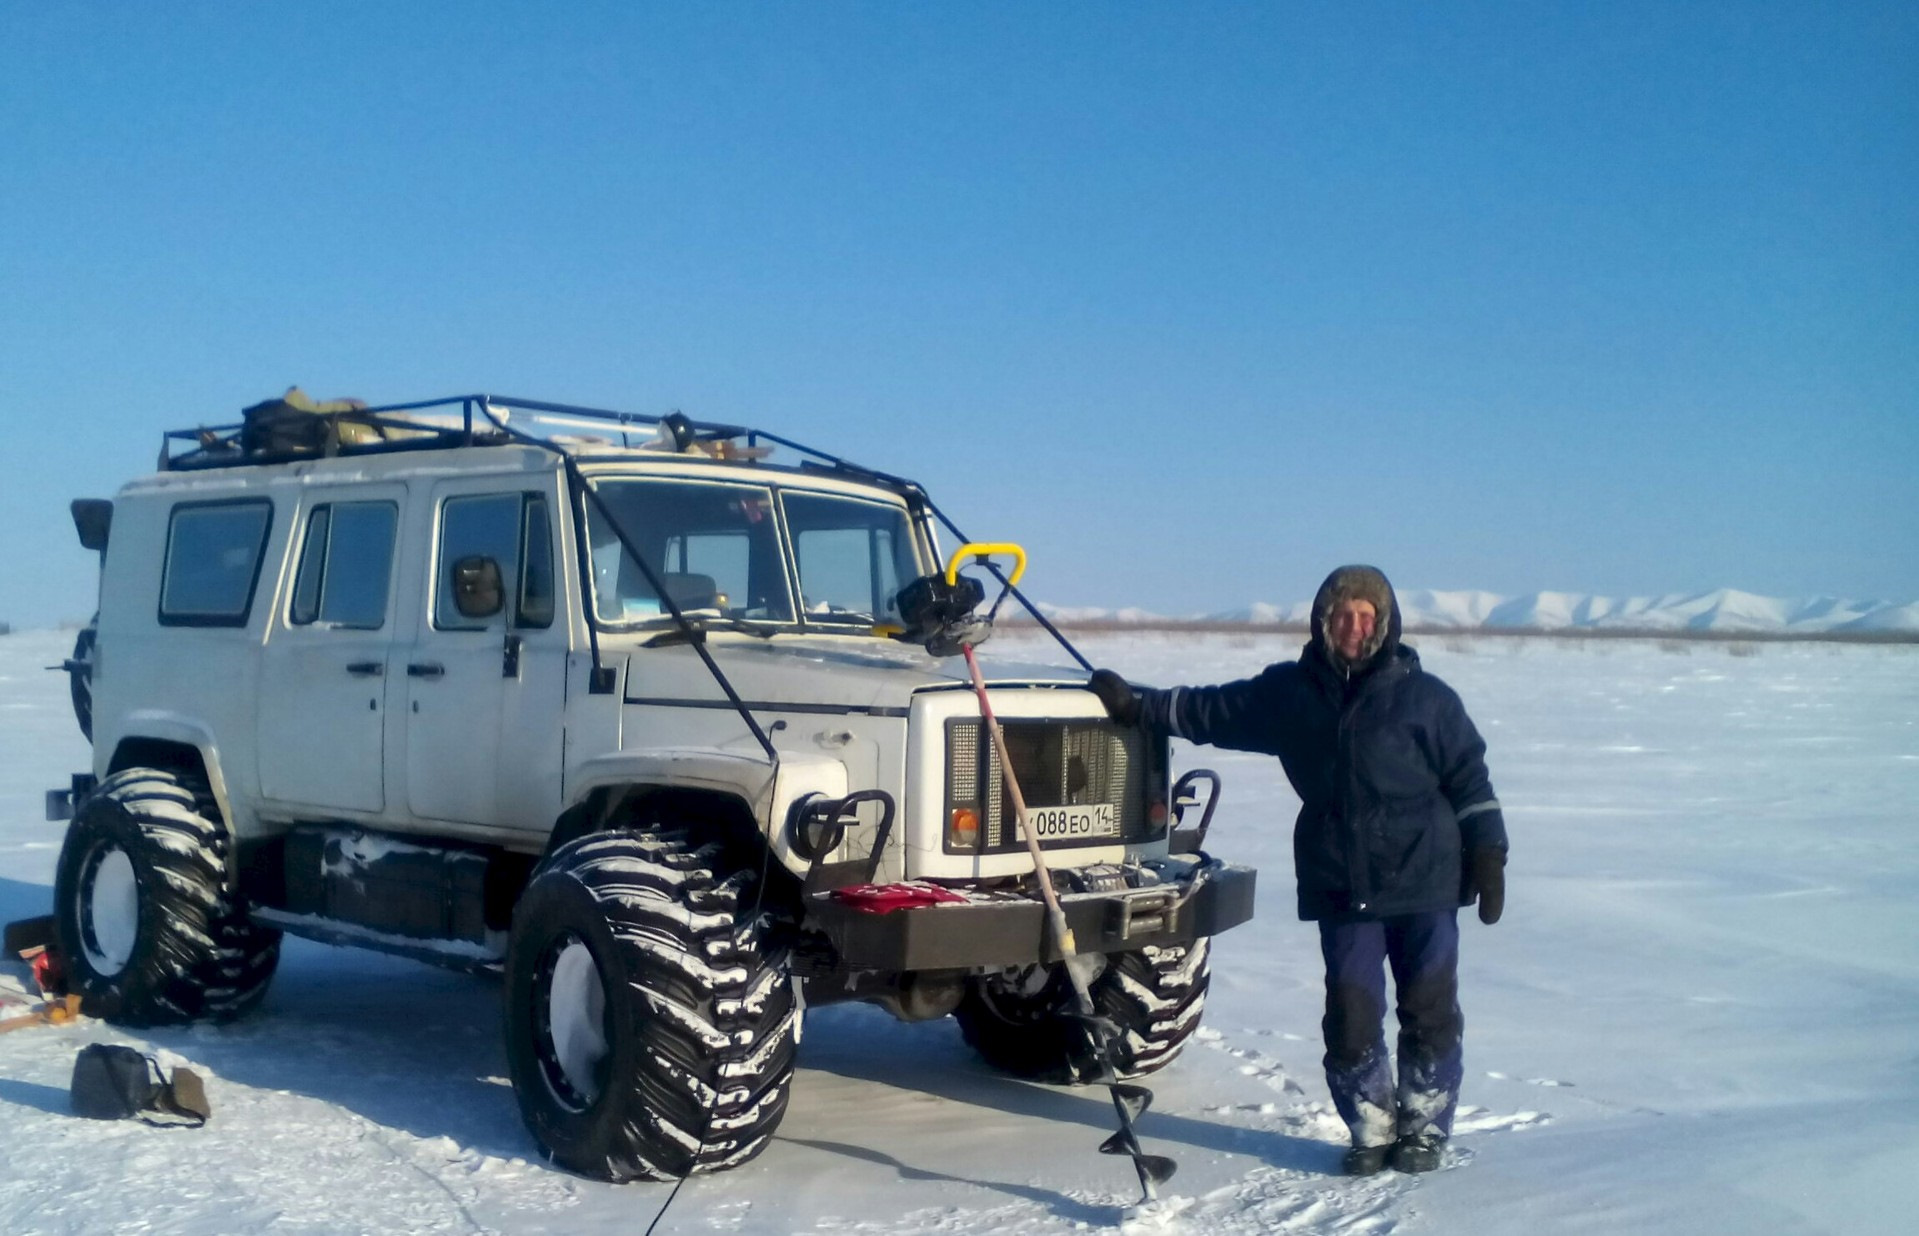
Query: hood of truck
853	672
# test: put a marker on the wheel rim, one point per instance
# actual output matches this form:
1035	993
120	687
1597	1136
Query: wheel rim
1047	999
109	910
570	1008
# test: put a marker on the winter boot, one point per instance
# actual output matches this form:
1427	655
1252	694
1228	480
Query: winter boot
1417	1152
1366	1160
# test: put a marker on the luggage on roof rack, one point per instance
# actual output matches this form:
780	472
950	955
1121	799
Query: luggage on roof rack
296	424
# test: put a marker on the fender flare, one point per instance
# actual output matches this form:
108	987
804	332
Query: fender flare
147	727
157	726
765	793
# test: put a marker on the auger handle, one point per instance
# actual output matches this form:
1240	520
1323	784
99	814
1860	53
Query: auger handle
985	549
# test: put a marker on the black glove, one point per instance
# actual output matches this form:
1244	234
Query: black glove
1488	864
1122	702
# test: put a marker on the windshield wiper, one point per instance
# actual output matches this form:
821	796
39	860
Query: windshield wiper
840	618
698	624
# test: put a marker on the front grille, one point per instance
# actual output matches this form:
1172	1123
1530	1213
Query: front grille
1059	764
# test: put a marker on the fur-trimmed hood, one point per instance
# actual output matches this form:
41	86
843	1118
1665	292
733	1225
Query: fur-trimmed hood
1358	583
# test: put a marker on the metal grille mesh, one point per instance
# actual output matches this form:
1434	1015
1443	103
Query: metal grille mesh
1059	763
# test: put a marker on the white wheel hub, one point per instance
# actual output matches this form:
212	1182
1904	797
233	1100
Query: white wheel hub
110	913
576	1018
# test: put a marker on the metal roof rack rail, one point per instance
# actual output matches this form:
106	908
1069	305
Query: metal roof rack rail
483	420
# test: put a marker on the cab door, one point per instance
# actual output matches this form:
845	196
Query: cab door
486	692
321	722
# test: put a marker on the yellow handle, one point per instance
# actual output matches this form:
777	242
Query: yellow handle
984	549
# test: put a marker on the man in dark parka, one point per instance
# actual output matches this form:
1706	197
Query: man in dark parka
1398	827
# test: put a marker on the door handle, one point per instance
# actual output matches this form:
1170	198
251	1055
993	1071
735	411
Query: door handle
366	669
426	669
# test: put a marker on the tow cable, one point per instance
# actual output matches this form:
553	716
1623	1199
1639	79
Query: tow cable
944	619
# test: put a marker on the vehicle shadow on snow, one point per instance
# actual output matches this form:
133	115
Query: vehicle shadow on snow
403	1045
933	1059
32	1094
418	1050
1062	1207
19	900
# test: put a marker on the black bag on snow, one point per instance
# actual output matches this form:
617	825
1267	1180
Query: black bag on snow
114	1083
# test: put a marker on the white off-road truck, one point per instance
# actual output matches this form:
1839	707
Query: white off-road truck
621	708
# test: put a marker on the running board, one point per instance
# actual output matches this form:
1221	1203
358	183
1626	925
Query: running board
488	958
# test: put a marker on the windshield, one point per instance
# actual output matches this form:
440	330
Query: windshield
714	547
717	549
853	557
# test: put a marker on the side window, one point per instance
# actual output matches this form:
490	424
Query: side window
515	531
346	565
536	555
213	562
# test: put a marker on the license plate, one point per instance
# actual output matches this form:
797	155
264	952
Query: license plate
1074	823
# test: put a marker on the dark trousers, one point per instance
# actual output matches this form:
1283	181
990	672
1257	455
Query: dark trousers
1423	950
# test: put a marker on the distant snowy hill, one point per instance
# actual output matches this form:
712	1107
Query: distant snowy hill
1727	610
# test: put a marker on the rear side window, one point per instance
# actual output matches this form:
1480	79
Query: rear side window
213	562
346	564
514	530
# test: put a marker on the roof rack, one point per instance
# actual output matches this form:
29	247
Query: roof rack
490	420
499	420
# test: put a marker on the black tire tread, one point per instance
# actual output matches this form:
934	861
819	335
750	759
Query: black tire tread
1156	996
199	957
710	999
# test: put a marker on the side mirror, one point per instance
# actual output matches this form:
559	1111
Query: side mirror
477	591
93	520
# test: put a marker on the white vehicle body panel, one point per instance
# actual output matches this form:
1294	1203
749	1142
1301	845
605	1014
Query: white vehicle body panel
442	741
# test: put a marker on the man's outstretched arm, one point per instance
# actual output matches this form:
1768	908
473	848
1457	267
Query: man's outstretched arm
1237	715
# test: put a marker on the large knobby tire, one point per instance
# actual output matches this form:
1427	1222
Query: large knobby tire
149	935
650	1020
1027	1028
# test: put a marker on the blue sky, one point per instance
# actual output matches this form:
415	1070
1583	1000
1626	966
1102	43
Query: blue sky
1196	300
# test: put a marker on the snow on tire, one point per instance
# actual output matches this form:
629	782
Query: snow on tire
1155	996
650	1021
141	912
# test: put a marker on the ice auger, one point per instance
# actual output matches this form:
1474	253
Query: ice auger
940	612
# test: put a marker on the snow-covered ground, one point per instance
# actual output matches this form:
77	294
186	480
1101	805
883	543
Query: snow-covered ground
1700	1015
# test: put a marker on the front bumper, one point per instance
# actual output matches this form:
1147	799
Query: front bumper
1194	897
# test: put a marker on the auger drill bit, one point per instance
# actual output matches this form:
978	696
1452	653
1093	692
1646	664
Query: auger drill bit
1102	1034
1130	1101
